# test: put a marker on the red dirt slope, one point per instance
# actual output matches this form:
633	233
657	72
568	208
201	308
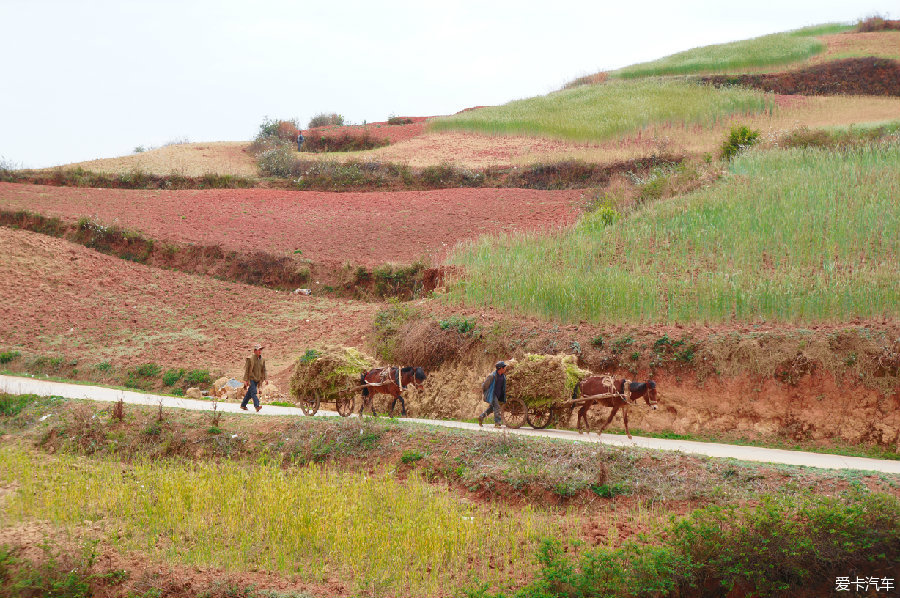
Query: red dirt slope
329	228
851	76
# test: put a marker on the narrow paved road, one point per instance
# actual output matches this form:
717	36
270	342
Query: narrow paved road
17	385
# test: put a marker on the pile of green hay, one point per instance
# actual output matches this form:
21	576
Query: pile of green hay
325	371
539	380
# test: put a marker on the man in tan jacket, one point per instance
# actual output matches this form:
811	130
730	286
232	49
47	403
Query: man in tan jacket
254	377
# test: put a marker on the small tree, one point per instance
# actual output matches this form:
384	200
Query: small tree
738	140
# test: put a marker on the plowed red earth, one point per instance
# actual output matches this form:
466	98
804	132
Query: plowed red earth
329	228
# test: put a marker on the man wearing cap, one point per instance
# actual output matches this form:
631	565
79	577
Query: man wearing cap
494	389
254	376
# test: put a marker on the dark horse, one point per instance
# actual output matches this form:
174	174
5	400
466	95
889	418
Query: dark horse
598	385
391	381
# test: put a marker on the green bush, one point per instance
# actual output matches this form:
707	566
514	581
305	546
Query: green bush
147	370
739	139
196	377
770	549
411	456
8	356
399	120
172	376
461	325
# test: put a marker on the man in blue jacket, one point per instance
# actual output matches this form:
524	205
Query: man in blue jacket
494	390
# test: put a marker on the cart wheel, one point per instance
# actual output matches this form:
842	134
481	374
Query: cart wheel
310	405
540	417
345	404
514	413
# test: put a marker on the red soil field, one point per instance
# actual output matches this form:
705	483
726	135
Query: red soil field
329	228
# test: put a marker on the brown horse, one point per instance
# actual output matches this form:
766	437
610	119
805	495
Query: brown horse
597	385
391	381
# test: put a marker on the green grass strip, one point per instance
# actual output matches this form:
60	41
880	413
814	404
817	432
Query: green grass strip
598	112
790	235
769	50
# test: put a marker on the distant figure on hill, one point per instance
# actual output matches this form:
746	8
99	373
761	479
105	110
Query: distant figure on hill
299	139
494	390
254	377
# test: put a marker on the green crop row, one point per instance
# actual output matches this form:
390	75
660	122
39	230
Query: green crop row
790	235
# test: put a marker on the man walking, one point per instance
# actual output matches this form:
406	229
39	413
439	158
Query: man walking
494	389
254	376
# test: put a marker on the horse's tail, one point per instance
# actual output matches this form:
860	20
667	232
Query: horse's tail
362	380
576	391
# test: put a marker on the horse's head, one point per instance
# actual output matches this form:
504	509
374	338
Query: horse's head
414	376
650	397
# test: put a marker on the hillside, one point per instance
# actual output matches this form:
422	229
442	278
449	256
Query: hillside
723	221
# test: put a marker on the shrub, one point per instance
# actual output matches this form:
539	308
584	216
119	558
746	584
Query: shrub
147	370
8	356
172	376
285	130
346	142
399	120
411	456
461	325
276	160
386	326
806	137
323	120
738	140
877	23
196	377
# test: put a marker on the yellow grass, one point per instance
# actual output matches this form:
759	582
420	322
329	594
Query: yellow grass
187	159
885	44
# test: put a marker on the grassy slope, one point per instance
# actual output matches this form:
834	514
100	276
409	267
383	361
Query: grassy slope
795	235
595	113
769	50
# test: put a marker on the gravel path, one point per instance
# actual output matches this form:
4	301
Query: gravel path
18	385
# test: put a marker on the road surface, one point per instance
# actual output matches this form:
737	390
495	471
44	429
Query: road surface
21	385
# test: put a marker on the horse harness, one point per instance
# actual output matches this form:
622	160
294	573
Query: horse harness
386	377
610	383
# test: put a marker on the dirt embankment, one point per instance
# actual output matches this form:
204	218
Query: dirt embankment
850	76
830	385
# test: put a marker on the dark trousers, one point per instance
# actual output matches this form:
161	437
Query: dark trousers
251	392
495	409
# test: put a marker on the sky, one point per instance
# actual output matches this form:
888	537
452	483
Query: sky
97	78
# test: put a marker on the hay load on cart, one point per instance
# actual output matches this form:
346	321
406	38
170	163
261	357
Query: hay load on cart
538	383
329	374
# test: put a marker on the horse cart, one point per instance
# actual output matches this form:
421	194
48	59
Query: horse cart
541	414
344	399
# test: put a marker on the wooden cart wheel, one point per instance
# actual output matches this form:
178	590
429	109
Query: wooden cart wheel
540	417
310	405
514	413
344	404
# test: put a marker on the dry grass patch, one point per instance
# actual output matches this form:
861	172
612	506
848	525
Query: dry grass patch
187	159
884	44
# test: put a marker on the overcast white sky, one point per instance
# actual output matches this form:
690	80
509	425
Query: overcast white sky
95	78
